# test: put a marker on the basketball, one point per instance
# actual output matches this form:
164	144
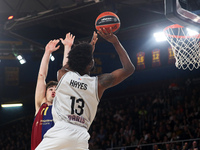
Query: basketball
106	20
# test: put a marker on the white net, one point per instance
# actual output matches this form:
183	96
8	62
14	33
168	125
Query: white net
184	46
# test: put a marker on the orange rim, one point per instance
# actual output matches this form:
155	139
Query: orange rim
178	36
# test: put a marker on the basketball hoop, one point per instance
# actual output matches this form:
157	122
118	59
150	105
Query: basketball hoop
184	46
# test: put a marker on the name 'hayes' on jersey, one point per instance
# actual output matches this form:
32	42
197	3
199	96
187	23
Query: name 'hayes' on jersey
76	99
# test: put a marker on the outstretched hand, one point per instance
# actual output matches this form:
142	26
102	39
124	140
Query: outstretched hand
69	40
51	46
94	40
108	36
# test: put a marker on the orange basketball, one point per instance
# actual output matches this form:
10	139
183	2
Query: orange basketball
106	20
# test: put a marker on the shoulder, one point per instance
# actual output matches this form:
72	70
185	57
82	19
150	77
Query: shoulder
44	105
41	107
61	72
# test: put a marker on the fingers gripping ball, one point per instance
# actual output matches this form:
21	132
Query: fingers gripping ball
106	20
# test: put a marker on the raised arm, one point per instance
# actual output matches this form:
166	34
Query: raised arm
40	90
67	42
68	38
108	80
94	40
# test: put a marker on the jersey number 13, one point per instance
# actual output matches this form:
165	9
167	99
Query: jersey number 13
80	105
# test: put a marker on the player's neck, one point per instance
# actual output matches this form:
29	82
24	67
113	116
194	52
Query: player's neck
48	103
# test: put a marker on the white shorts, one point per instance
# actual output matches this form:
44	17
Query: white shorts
65	136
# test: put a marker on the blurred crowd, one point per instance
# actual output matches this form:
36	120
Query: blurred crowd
161	116
16	135
158	118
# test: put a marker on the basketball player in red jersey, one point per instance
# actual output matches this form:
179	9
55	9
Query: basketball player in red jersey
78	95
45	93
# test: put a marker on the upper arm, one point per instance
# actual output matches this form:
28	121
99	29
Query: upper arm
60	73
40	91
108	80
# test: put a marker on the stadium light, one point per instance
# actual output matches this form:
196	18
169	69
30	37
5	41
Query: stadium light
159	36
12	105
191	32
52	57
22	61
10	17
20	58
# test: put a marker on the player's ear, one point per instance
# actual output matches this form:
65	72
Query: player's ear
90	65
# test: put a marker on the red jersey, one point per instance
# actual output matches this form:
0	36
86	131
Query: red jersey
43	121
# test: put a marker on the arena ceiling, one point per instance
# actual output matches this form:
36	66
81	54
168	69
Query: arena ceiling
42	20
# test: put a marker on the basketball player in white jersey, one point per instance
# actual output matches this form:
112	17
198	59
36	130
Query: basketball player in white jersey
78	95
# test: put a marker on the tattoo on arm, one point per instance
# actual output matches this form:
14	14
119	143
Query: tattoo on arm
106	80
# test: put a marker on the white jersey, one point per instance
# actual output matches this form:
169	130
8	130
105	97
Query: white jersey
76	99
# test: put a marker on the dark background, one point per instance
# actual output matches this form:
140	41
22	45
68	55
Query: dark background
36	22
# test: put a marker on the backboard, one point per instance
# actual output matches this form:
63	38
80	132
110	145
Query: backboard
186	16
183	12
